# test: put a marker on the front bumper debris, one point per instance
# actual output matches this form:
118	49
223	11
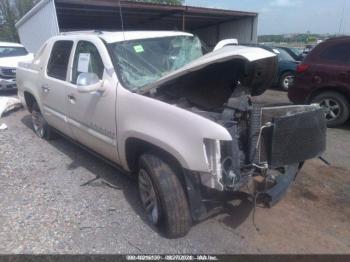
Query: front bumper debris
268	159
273	195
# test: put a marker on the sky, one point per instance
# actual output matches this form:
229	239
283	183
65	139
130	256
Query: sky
290	16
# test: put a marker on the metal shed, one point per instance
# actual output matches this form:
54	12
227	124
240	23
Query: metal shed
51	17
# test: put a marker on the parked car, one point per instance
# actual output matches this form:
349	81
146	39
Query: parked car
182	122
296	53
324	77
10	55
307	50
287	66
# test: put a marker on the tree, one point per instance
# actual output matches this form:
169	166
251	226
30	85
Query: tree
11	11
8	20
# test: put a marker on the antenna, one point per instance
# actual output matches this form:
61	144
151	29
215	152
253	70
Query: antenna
121	18
342	18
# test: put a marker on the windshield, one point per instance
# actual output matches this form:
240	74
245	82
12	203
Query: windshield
141	62
7	51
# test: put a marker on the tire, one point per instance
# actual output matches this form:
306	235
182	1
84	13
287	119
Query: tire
40	126
337	108
172	216
286	80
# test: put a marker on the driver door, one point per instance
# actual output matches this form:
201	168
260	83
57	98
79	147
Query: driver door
92	116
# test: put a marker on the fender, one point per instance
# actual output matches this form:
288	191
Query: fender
175	130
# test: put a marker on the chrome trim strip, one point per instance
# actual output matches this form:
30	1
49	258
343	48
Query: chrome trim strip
50	111
92	131
95	133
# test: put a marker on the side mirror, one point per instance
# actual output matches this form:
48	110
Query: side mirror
89	82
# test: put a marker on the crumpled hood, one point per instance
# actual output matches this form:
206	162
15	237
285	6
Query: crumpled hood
12	62
250	55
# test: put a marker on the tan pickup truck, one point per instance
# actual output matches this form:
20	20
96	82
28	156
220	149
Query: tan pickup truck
153	104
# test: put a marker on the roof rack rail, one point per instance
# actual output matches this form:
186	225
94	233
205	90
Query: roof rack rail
97	32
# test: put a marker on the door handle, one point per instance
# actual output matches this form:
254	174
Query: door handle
71	99
45	88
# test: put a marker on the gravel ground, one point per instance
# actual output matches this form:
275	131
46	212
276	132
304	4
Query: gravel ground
46	208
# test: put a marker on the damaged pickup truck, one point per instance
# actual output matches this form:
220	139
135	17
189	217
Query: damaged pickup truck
180	121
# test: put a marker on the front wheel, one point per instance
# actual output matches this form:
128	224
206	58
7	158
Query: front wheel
163	197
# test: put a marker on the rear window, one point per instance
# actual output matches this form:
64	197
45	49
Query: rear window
283	54
59	59
10	51
339	53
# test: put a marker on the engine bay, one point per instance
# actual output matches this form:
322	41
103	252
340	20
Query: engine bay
262	146
258	152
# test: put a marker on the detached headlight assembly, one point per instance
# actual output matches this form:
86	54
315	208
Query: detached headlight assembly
212	155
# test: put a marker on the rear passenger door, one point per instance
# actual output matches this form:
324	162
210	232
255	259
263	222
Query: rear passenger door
54	86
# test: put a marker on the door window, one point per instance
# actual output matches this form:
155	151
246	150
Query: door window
59	59
339	53
87	59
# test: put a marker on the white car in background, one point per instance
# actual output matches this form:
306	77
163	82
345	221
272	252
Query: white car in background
10	55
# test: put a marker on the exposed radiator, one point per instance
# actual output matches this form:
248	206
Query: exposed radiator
297	133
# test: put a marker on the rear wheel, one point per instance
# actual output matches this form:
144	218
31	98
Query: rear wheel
287	80
163	196
335	106
40	126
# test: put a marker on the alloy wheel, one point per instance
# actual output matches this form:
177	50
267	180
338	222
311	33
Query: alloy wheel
148	196
38	123
288	81
331	108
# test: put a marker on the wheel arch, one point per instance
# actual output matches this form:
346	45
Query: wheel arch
30	99
337	89
286	71
134	147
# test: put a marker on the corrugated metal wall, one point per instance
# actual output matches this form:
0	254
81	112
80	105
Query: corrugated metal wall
41	23
38	28
245	30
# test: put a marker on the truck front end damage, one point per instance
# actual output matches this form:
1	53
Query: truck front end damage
269	144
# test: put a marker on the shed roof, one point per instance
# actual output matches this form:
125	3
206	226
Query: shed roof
106	15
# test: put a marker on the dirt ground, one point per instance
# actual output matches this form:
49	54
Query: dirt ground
44	207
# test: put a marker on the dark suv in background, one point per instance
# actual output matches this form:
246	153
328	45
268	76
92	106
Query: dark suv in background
324	77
